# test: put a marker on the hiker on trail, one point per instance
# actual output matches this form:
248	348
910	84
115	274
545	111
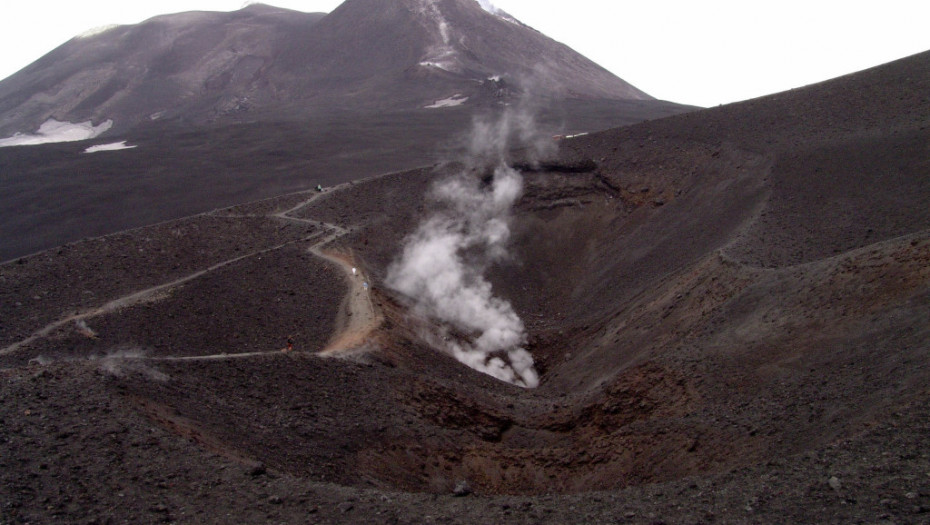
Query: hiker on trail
319	187
353	271
365	285
290	344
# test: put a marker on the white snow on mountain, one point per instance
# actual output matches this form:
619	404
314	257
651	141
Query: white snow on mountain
454	100
113	146
54	131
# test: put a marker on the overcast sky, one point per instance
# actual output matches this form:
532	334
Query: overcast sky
689	51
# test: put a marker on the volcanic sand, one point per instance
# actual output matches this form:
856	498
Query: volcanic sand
728	310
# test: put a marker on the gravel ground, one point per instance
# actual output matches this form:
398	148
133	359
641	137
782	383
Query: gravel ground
729	310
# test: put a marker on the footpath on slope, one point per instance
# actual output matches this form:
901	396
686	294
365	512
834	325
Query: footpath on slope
357	317
356	320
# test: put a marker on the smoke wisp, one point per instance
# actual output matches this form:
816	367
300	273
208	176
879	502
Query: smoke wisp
442	266
129	360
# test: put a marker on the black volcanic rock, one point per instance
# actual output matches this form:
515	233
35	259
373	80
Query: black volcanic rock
754	350
273	63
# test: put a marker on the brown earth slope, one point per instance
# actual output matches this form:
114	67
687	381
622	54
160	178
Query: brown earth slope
729	309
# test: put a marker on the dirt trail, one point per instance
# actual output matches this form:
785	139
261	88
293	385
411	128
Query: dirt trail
357	317
136	298
213	357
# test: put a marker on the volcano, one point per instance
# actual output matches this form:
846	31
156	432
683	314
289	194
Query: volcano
230	107
265	63
728	311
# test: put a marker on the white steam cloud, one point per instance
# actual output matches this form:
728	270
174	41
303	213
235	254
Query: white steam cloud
443	262
123	361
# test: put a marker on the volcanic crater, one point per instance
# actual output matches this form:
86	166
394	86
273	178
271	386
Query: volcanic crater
728	309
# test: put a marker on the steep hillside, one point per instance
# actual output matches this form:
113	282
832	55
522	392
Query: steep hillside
221	108
197	64
265	63
729	312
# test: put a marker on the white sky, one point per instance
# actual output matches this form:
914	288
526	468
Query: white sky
702	52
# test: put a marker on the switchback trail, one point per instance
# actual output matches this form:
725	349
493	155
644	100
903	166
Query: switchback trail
139	297
357	317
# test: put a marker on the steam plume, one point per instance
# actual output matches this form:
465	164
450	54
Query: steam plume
127	360
443	262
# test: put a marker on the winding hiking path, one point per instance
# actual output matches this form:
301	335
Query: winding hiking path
140	297
357	316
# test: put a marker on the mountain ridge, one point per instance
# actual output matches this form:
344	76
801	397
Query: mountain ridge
729	311
263	62
226	107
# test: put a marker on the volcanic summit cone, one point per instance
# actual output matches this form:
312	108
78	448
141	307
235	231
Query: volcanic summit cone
728	309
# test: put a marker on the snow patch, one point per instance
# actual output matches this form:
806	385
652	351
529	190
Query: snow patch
445	66
96	31
454	100
496	11
54	131
113	146
489	7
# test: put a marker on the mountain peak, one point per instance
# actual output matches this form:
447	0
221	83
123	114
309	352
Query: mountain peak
365	55
472	38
